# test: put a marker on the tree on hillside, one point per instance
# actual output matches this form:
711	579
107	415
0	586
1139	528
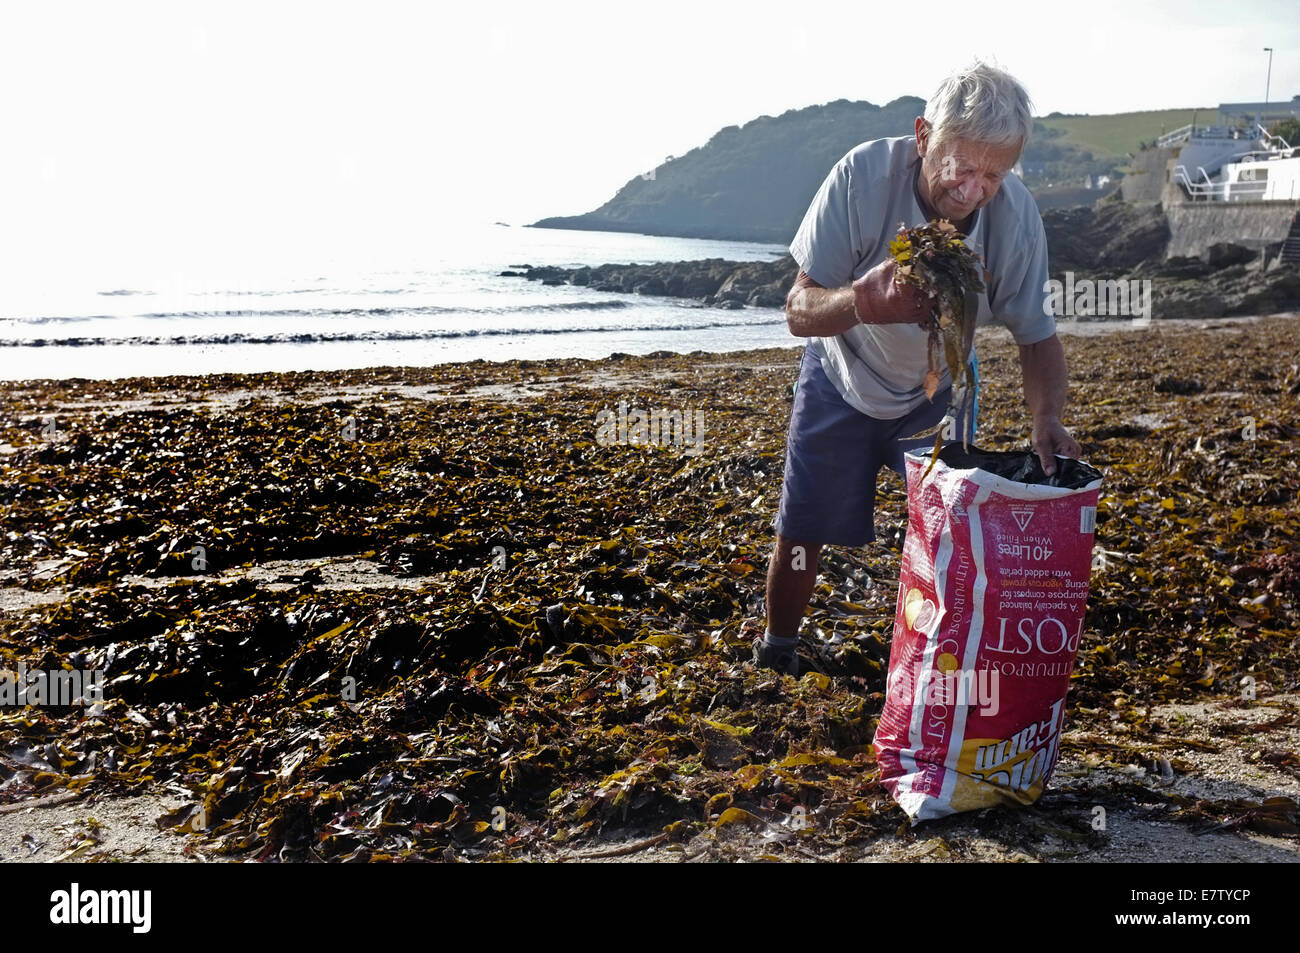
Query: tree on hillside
1288	129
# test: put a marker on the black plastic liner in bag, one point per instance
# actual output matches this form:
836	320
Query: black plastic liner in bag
1022	466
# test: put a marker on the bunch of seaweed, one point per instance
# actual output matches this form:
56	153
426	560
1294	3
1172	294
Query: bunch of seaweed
934	258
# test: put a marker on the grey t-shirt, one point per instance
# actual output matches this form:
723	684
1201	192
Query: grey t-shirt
865	199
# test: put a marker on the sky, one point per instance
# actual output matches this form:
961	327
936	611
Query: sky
136	129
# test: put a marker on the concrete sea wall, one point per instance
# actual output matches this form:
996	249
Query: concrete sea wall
1194	227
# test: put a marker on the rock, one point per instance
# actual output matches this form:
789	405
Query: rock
735	288
708	280
681	285
547	273
1131	235
1178	267
1117	241
1188	300
1269	293
1178	385
771	295
1231	273
1112	236
730	305
1269	255
1224	254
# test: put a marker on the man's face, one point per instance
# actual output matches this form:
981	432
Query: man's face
960	175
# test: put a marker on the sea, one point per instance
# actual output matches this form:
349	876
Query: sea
441	302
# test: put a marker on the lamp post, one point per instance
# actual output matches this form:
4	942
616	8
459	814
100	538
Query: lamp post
1268	78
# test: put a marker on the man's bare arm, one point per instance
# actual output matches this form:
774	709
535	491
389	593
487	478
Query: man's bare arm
1042	367
876	298
814	311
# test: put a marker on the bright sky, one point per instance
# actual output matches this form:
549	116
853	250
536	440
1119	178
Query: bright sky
138	128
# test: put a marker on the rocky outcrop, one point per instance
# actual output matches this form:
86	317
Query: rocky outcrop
1116	241
1227	280
710	281
1111	236
1205	288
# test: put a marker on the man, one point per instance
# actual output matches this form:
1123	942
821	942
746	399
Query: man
861	382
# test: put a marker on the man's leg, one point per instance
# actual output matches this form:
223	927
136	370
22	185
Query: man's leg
791	576
827	497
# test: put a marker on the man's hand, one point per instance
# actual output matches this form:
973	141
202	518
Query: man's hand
879	299
1050	438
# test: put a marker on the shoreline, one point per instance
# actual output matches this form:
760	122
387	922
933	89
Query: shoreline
1072	327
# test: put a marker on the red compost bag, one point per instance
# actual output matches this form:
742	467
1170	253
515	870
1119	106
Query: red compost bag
991	598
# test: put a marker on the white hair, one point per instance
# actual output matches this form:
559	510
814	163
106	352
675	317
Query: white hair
981	103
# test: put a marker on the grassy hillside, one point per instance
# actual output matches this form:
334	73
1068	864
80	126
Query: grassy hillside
1118	134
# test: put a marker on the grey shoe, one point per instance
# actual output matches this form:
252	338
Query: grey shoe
783	660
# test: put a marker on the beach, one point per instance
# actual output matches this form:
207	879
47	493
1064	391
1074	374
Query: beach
436	612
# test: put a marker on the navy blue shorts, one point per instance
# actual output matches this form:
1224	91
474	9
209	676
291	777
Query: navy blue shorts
833	458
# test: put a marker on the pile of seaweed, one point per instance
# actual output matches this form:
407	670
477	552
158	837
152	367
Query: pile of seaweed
563	651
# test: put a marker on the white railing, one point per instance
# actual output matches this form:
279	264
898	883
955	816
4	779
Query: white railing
1185	133
1208	191
1270	139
